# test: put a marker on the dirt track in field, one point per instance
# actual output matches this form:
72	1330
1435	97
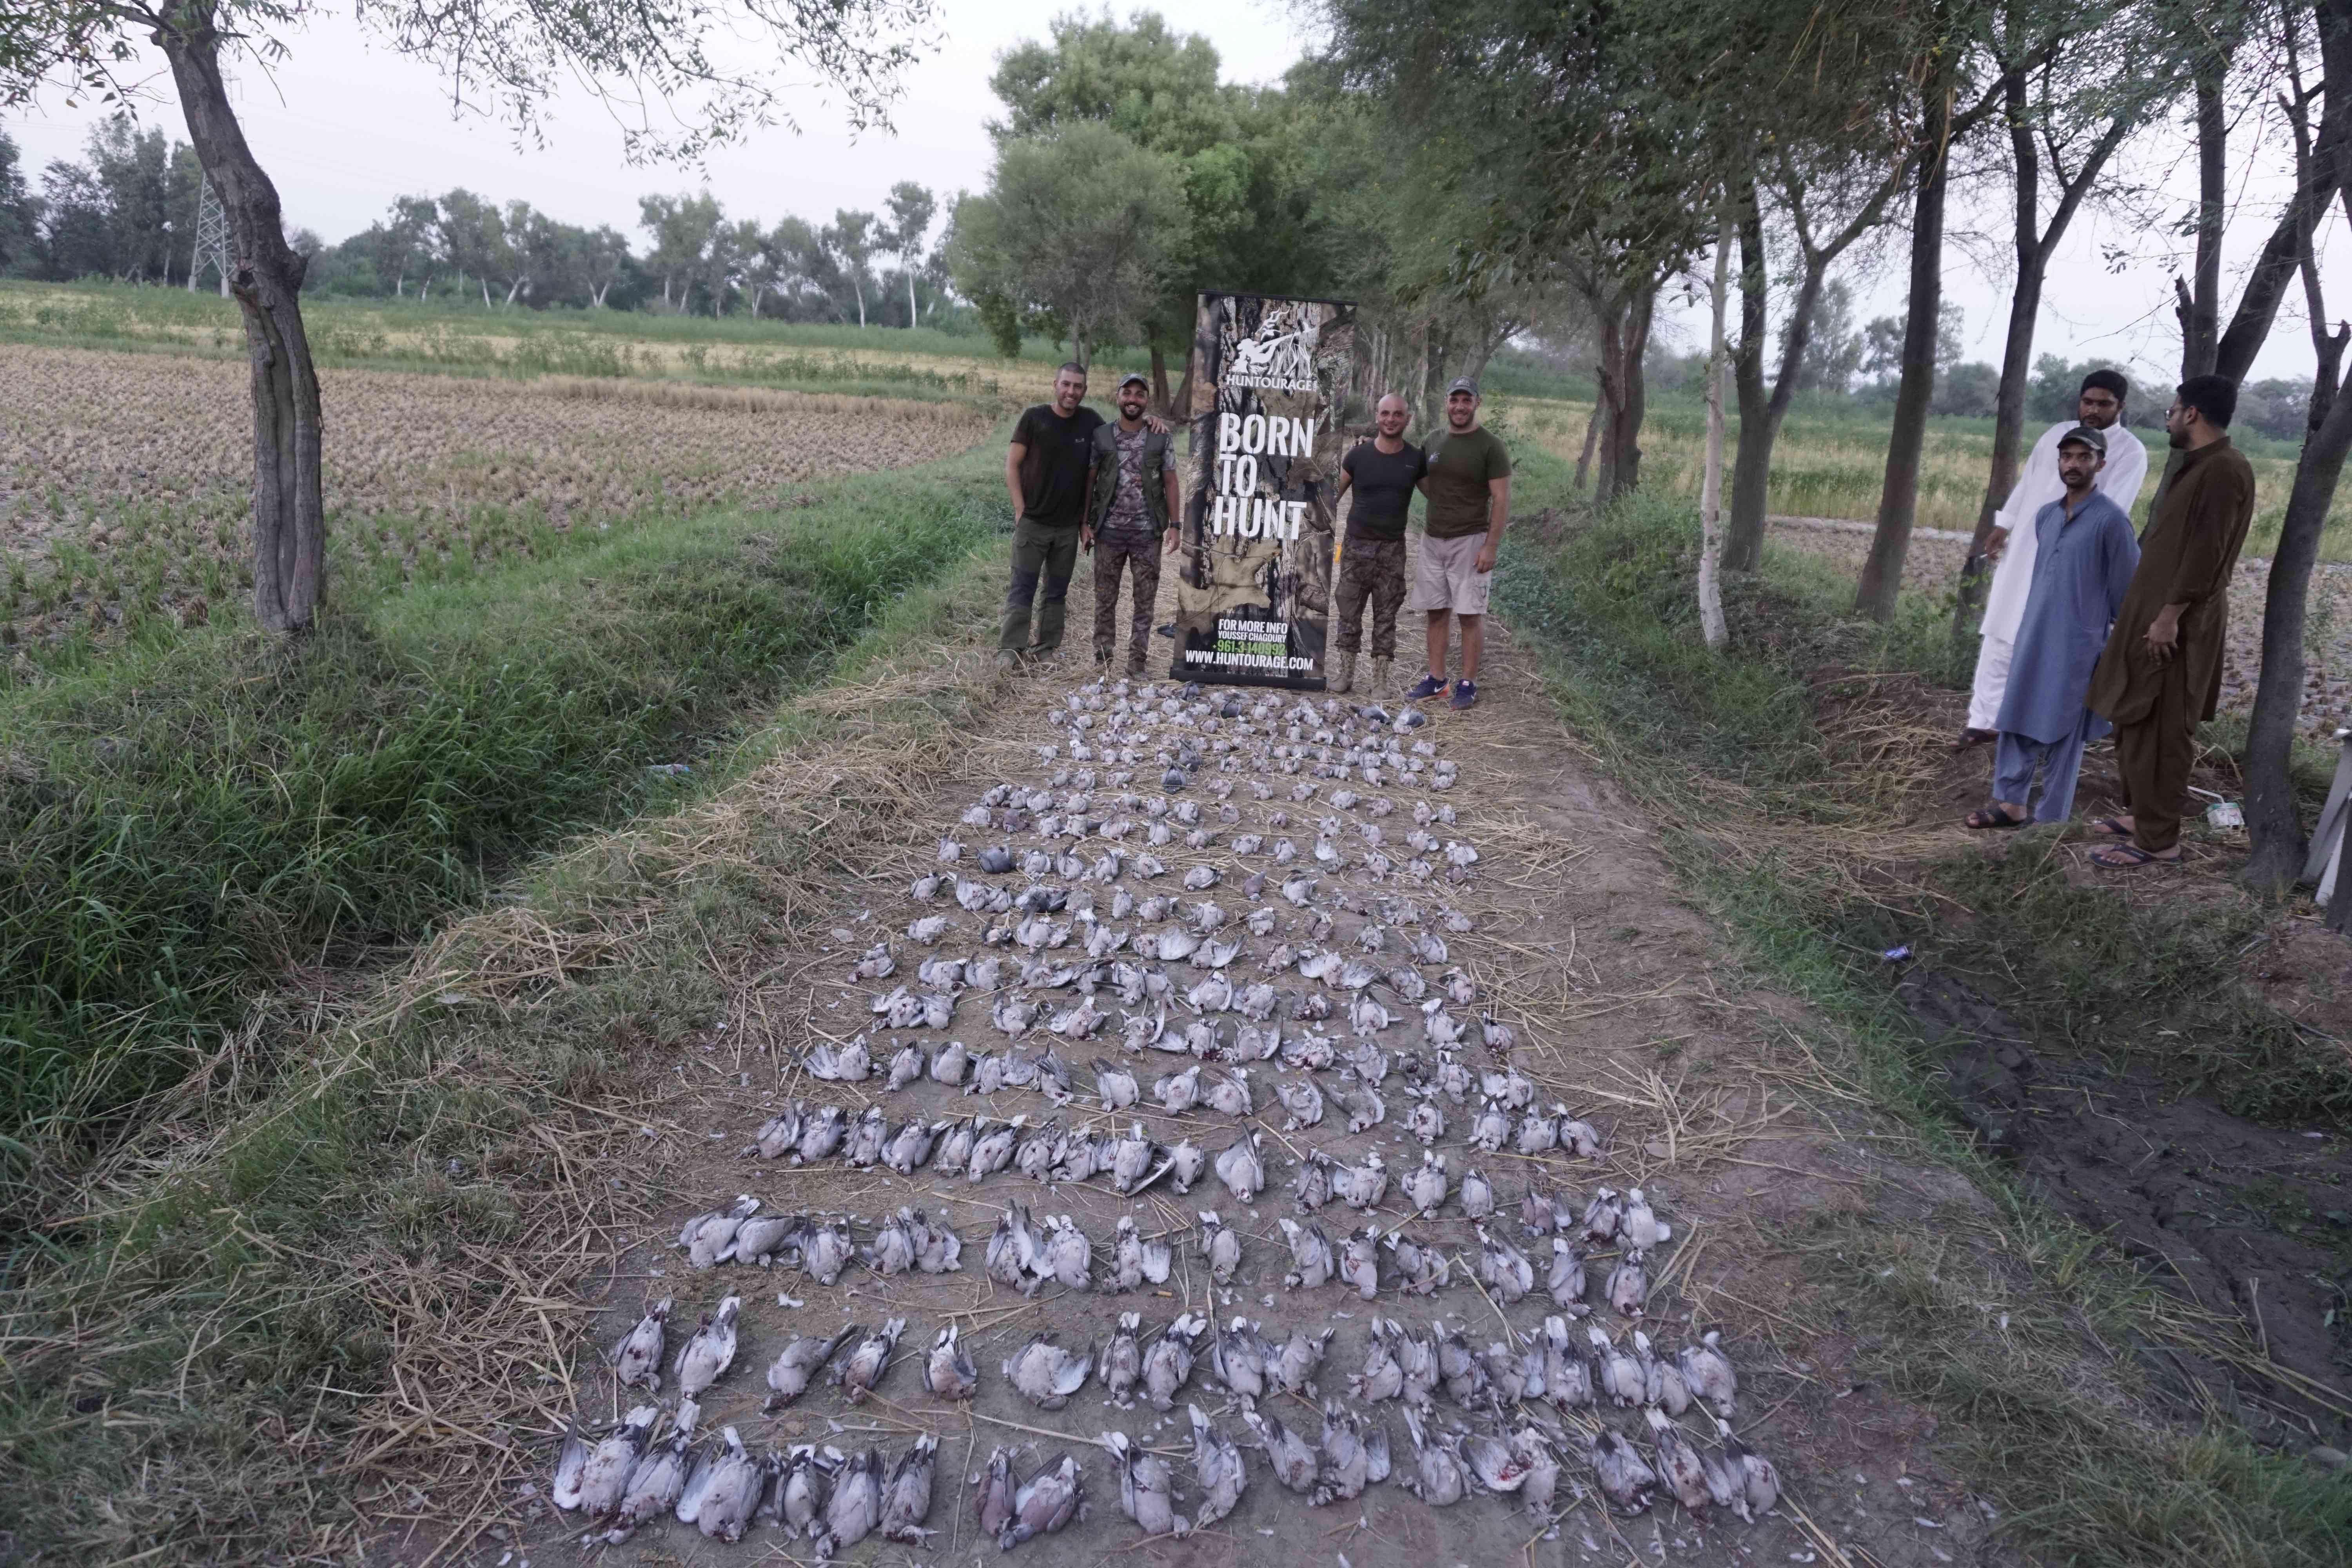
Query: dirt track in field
1622	1011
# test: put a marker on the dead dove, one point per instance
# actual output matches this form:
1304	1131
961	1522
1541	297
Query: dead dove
947	1369
910	1145
1757	1482
992	1151
1047	1374
1217	1467
1568	1371
1114	1085
1311	1188
1121	1364
788	1377
1678	1462
708	1237
1310	1254
1707	1374
603	1471
1458	1364
938	1249
1504	1268
1629	1286
1237	1355
1346	1462
1135	1260
711	1352
1515	1376
1421	1269
907	1495
1661	1380
1477	1195
655	1482
1179	1092
1065	1255
863	1146
1425	1188
1292	1458
1640	1226
1427	1122
1359	1264
1167	1363
1147	1492
780	1133
1620	1379
1491	1463
1567	1282
826	1251
1437	1478
1302	1100
636	1359
1240	1170
1491	1129
954	1155
1625	1480
863	1367
1291	1369
1186	1161
853	1508
728	1493
1221	1246
1362	1187
1228	1093
1383	1375
1043	1503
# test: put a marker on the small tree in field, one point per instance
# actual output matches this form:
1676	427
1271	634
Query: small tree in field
503	58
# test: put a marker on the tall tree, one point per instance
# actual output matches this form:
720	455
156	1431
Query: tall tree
912	207
19	213
682	228
2070	117
854	238
650	62
2323	161
1083	224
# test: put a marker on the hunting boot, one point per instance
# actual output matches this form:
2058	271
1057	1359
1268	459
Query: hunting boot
1381	678
1340	671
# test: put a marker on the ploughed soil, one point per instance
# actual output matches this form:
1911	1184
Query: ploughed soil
1626	1010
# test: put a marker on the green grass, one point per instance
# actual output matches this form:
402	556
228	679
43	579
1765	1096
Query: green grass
1714	742
189	816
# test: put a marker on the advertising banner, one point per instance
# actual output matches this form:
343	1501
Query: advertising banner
1270	383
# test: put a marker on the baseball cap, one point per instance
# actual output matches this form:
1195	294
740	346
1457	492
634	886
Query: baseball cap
2084	435
1463	383
1133	378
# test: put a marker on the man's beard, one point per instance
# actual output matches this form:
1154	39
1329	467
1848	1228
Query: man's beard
1132	410
2176	438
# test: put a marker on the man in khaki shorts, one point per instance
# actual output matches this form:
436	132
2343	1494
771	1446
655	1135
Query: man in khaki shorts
1469	490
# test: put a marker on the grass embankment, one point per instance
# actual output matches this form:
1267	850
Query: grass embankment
1765	809
306	1324
187	820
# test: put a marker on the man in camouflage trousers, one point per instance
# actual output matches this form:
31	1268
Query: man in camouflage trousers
1382	472
1131	497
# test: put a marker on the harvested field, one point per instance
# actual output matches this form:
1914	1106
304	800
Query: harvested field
127	495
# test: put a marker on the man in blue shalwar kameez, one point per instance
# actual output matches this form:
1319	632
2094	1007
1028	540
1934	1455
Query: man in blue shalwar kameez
2085	554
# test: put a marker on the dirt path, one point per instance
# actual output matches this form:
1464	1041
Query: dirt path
1624	1010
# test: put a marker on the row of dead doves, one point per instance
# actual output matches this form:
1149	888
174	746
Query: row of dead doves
1036	930
951	978
631	1476
1013	809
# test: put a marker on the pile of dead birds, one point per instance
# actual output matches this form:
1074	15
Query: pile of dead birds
1325	997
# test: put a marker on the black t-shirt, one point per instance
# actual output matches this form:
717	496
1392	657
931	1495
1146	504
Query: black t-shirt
1054	466
1383	484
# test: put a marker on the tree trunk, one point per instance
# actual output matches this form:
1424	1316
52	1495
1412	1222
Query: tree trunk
910	298
1624	334
1591	436
1751	463
2199	306
858	286
289	534
2273	823
1711	492
2016	352
1159	379
1898	499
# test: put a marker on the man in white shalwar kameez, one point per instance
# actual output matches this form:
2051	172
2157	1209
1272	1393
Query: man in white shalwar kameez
2099	406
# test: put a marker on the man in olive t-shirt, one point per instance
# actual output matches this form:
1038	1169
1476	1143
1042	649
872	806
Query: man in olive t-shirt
1469	490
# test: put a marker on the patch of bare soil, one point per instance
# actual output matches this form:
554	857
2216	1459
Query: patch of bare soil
2250	1221
1614	993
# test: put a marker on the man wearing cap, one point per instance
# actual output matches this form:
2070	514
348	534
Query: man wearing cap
1469	488
1131	496
2099	406
1382	472
2084	555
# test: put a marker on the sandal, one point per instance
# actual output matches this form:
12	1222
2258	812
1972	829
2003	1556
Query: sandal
1985	816
2129	857
2109	828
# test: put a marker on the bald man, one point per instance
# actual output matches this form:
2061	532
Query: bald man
1383	472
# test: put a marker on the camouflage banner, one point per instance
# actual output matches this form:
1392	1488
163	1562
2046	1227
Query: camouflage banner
1270	382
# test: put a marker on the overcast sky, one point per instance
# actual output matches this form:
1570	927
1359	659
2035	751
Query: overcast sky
343	128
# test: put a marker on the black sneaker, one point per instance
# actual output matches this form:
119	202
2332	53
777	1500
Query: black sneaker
1465	694
1430	686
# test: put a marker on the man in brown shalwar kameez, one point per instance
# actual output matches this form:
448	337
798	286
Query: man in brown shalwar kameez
2160	675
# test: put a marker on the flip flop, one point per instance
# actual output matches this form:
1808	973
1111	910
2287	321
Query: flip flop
2107	826
2132	856
1987	817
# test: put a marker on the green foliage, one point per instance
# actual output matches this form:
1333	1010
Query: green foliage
183	820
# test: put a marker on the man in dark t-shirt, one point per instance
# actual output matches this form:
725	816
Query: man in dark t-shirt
1045	473
1382	472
